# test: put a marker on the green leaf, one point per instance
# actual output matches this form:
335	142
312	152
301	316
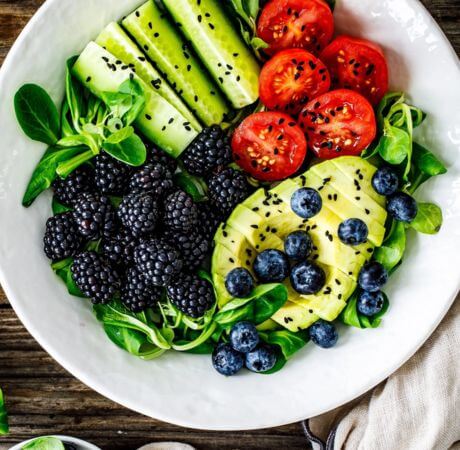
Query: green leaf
120	135
205	335
37	114
395	145
59	208
252	8
44	443
229	317
65	168
4	428
280	363
288	342
91	141
45	172
258	44
115	314
134	342
62	270
131	151
391	252
428	219
67	128
388	101
196	187
74	95
350	315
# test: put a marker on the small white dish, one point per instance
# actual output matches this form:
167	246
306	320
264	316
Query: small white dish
78	443
184	389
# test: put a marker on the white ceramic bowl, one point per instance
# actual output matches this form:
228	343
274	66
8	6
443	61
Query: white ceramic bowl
79	444
184	389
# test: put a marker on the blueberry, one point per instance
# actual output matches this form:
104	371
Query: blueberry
263	358
298	245
385	181
226	360
307	278
271	266
323	334
244	337
306	202
372	276
402	207
239	282
353	232
370	303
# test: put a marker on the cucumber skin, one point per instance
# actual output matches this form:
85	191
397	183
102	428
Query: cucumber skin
114	39
163	44
216	41
92	71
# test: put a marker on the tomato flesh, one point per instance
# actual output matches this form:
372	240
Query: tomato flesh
304	24
358	65
291	78
338	123
270	146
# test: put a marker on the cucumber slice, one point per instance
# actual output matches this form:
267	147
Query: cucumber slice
220	47
116	41
160	122
172	56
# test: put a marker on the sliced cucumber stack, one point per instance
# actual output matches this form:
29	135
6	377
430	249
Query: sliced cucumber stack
220	47
114	39
173	57
160	122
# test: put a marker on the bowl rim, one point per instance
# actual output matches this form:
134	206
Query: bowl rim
83	445
78	373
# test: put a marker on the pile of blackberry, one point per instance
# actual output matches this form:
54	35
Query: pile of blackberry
134	235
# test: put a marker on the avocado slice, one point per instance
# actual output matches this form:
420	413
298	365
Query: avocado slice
353	167
294	317
352	190
114	39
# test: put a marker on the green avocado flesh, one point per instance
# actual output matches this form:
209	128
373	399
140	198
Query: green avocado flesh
118	43
160	122
265	219
216	41
165	47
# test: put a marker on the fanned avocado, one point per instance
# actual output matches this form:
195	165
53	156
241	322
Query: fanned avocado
119	44
160	122
269	213
174	57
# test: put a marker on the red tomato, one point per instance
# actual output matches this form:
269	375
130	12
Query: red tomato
304	24
269	145
338	123
358	65
291	78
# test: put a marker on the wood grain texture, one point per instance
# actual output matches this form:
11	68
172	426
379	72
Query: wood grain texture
43	398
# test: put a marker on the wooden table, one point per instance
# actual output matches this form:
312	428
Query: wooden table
43	398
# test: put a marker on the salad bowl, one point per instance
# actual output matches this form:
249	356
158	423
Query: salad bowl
183	389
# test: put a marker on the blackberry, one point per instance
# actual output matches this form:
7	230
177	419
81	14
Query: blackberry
193	247
67	190
61	237
95	277
191	294
137	294
119	248
227	189
139	213
181	213
158	261
111	176
208	220
155	155
153	178
209	151
94	215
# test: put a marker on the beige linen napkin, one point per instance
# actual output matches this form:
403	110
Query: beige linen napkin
417	408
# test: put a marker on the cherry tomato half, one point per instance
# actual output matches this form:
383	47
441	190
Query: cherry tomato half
270	146
338	123
358	65
304	24
291	79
